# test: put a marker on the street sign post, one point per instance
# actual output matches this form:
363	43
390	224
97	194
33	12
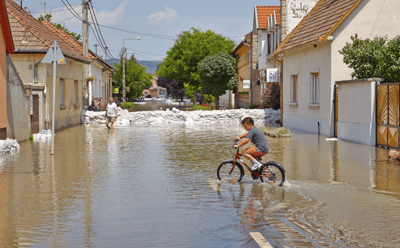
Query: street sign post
54	56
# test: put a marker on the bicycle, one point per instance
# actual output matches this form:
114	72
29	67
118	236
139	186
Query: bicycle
232	170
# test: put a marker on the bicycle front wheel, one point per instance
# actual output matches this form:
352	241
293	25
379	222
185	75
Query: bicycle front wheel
228	171
272	173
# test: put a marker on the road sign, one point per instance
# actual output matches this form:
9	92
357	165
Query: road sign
246	84
272	75
49	57
54	56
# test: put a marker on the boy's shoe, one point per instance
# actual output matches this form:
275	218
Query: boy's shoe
256	166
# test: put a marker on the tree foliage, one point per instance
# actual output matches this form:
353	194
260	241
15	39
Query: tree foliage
379	57
48	17
190	48
218	73
136	78
174	88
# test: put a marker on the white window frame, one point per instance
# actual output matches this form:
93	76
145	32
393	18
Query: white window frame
62	92
292	76
314	87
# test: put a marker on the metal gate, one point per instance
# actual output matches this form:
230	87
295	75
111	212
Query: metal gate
387	115
35	115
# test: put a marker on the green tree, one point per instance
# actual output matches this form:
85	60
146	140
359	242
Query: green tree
190	48
48	17
136	78
218	74
378	57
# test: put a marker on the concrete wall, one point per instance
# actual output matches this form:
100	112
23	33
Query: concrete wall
3	87
303	115
357	115
18	106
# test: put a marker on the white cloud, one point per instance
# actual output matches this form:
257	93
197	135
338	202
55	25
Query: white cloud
103	17
166	15
112	17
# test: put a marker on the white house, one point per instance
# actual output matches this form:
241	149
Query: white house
312	63
267	25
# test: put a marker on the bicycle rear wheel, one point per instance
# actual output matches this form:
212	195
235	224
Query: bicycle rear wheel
228	171
272	173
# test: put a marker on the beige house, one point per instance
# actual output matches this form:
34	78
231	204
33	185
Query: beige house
32	39
312	63
155	90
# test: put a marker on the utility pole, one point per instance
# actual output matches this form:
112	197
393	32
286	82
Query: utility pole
123	74
85	41
44	8
95	48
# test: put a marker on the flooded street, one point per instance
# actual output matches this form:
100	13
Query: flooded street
156	186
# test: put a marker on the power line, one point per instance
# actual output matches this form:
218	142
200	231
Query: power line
99	34
146	52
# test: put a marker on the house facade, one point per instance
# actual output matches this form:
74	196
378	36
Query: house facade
155	90
312	63
243	52
267	25
32	39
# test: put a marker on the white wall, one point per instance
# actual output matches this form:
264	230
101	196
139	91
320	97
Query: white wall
296	11
97	84
357	112
305	116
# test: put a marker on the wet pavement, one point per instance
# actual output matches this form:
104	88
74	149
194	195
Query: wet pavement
156	186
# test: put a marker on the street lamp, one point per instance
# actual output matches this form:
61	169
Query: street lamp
123	68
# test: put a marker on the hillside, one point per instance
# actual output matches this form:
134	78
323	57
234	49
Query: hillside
151	66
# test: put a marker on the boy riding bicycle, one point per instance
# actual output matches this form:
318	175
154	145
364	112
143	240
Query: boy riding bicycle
257	138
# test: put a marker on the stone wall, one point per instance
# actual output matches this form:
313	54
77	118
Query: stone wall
126	118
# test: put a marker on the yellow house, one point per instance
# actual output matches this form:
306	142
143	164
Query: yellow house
242	51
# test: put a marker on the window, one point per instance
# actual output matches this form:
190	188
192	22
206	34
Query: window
62	92
76	92
293	88
314	86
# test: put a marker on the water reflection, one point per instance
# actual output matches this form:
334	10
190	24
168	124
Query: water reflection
105	188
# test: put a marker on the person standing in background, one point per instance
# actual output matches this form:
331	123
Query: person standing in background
111	113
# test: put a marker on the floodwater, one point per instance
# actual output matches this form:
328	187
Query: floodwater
156	186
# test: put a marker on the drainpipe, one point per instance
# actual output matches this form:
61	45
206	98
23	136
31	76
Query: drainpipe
318	129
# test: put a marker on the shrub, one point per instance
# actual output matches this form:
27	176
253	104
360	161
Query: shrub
378	57
271	97
254	106
201	107
126	105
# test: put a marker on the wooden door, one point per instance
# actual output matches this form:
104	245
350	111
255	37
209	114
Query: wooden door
35	115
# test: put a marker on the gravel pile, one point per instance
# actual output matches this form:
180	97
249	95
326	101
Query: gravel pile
8	146
126	118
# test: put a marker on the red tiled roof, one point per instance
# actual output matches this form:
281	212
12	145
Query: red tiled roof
38	36
5	27
320	22
74	42
265	12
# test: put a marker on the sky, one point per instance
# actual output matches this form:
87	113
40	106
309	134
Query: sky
156	22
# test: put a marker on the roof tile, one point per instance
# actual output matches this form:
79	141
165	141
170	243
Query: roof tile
265	12
319	22
38	36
